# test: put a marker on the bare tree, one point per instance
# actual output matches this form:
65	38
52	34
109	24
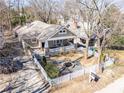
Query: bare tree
44	10
103	31
93	13
89	16
3	13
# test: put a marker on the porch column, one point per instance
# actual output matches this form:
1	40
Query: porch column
46	46
23	45
40	45
75	43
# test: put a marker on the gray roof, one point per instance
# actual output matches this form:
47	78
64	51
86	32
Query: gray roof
49	32
32	29
39	30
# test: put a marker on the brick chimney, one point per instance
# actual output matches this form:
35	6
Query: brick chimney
74	24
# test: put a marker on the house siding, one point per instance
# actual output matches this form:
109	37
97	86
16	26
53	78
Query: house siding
68	33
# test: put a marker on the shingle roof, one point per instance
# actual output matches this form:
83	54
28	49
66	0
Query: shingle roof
48	32
32	28
39	30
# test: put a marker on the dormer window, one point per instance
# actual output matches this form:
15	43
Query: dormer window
63	31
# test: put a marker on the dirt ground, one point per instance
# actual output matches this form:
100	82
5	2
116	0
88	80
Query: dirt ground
119	54
67	57
82	85
72	56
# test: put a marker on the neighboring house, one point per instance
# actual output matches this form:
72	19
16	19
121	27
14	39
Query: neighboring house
1	38
60	20
80	28
49	38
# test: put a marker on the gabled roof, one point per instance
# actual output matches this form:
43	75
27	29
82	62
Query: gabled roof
39	30
48	32
34	27
51	31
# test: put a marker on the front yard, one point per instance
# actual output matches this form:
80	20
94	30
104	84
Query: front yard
81	84
61	64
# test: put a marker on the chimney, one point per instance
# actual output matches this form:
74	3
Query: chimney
74	24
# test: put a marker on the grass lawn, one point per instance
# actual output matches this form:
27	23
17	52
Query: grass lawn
119	54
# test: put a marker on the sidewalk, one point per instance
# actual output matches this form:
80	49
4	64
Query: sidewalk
115	87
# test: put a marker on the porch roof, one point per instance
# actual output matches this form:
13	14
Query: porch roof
60	38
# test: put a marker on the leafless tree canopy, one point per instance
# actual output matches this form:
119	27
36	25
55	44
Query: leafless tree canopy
45	10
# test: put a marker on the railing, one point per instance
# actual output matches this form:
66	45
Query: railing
67	77
60	49
41	68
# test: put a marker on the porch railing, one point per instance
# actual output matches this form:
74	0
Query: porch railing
62	49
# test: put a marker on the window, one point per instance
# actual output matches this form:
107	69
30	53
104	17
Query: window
34	40
63	31
57	43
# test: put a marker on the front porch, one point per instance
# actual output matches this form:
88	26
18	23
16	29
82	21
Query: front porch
53	47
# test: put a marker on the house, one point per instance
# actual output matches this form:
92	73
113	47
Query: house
1	38
49	38
79	28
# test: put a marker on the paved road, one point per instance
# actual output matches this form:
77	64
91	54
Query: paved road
115	87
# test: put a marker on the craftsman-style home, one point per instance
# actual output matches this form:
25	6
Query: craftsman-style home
47	37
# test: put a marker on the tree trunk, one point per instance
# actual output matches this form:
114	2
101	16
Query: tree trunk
99	56
99	51
86	50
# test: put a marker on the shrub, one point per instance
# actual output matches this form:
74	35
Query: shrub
44	61
51	70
